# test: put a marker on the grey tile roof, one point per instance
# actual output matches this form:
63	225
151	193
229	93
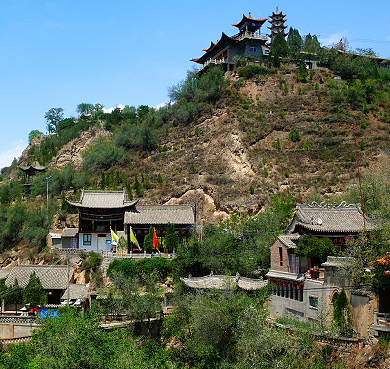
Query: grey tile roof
334	218
4	273
69	232
285	275
53	277
76	291
103	200
223	282
34	166
161	214
289	240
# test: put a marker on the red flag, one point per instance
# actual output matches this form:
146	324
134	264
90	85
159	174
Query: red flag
155	242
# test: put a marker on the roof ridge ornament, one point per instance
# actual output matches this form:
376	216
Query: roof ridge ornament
329	205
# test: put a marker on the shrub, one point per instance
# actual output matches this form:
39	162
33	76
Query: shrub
251	189
103	155
294	135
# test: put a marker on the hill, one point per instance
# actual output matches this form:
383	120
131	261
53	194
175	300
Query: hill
265	135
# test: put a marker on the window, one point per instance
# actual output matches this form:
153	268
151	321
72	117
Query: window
313	302
253	49
87	239
281	256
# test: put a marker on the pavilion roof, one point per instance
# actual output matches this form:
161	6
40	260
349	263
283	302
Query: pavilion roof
53	277
257	22
218	46
161	214
102	200
208	48
330	218
35	166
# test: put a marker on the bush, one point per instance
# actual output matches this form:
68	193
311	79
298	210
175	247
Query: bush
103	155
294	135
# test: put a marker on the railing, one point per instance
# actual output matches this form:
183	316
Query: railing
137	255
381	319
256	35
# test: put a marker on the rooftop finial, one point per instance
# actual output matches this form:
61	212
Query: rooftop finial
250	15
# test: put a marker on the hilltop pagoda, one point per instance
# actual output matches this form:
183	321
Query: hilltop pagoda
277	20
248	42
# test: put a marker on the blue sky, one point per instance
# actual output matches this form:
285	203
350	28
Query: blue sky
59	53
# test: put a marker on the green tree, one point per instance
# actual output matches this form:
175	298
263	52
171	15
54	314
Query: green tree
171	238
316	248
278	49
294	44
34	293
85	108
311	44
13	295
53	116
342	320
148	241
34	133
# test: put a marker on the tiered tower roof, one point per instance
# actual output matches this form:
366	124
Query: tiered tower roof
277	20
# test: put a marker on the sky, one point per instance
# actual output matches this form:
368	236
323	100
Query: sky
60	53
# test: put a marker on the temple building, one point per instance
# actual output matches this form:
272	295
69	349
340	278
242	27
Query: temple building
249	41
277	20
103	211
307	291
158	216
99	212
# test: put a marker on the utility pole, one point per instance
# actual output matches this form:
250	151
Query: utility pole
47	194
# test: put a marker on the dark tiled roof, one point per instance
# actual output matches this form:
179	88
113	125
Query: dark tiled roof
53	277
289	240
102	200
76	291
161	214
34	166
342	218
69	232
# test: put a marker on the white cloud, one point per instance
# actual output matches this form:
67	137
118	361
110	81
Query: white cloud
332	39
159	106
109	110
14	151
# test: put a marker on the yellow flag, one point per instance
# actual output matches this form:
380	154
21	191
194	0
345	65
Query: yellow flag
133	238
114	236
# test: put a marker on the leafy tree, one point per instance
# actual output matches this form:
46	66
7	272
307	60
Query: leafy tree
311	44
53	116
148	241
342	320
34	293
368	51
171	238
34	133
294	43
278	49
13	295
85	108
65	123
316	248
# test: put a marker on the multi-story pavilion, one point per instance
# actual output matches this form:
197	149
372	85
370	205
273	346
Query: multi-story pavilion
249	41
